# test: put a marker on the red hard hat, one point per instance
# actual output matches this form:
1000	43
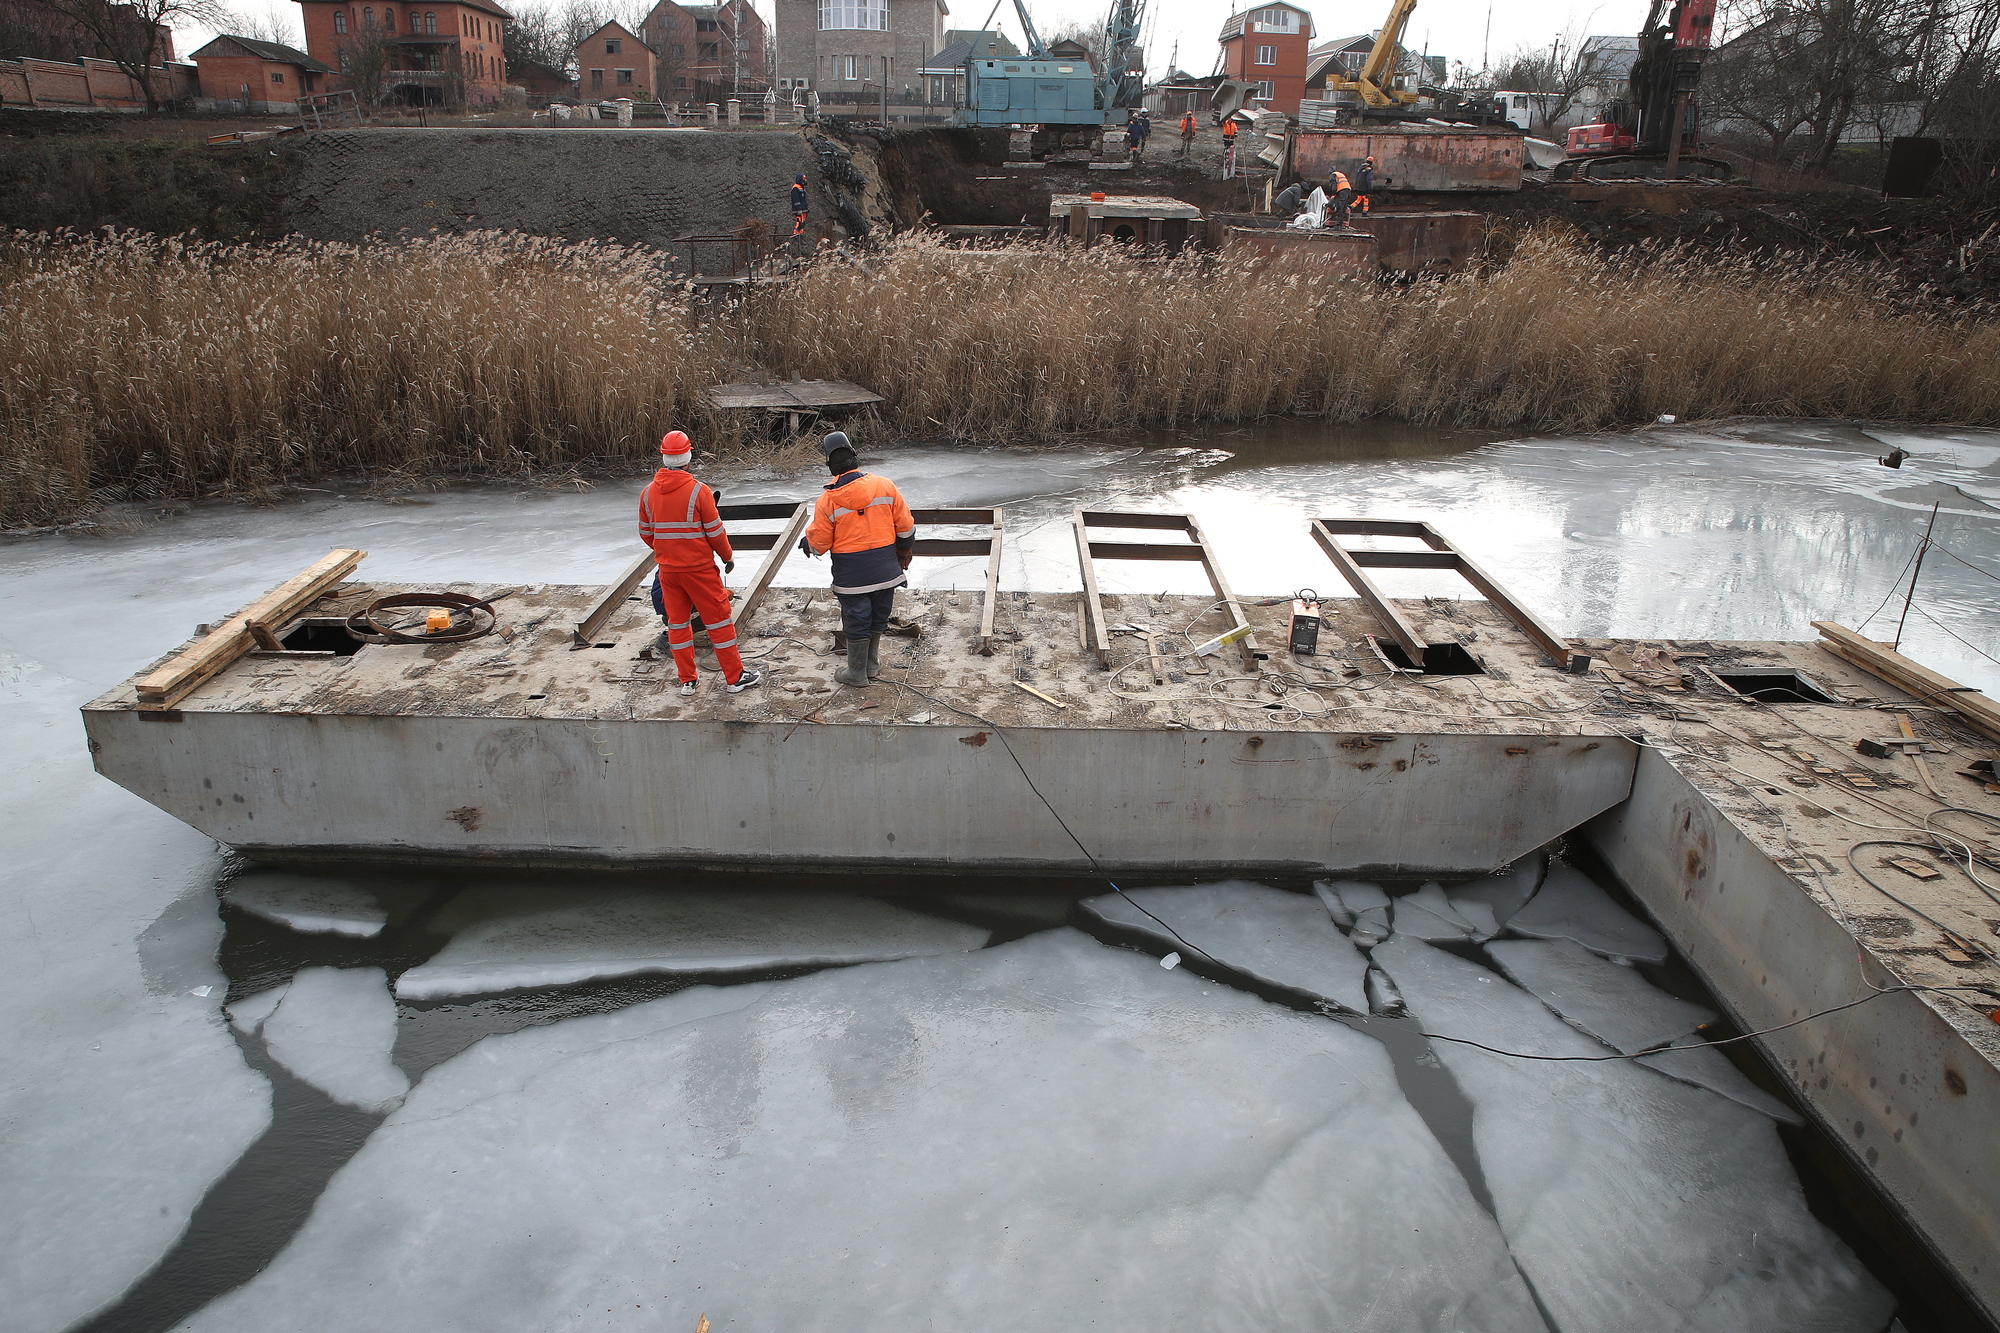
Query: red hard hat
675	442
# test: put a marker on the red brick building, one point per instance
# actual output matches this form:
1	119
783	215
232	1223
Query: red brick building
266	75
612	62
705	50
415	53
1268	47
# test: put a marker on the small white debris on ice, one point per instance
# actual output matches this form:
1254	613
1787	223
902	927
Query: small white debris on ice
1171	961
1632	1202
1267	935
1570	907
923	1120
334	1029
1612	1003
515	937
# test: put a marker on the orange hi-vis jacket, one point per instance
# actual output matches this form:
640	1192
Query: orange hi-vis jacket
1339	182
860	518
1187	123
1229	127
679	520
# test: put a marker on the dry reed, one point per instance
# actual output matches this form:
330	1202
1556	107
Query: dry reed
135	366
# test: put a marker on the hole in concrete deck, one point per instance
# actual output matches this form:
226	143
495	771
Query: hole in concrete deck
1440	659
322	636
1775	686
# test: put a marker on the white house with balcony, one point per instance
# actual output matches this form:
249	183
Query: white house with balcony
849	50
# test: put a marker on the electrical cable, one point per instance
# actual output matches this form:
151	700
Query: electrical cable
1942	549
1894	584
1954	634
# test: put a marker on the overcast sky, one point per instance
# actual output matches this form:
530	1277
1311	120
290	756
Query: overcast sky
1456	29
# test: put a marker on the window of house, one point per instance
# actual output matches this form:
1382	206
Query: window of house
1264	89
680	83
388	20
430	22
340	20
611	45
597	78
850	67
622	76
707	52
368	19
1277	20
277	77
1267	55
680	52
872	15
705	25
742	43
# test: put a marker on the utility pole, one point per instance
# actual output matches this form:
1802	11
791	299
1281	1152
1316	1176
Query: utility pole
1911	595
1486	44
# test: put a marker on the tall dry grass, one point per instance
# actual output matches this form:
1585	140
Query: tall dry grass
1560	338
134	366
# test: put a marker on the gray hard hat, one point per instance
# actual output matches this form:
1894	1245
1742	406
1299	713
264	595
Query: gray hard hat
834	439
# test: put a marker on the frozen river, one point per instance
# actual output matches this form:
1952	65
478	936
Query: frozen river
448	1102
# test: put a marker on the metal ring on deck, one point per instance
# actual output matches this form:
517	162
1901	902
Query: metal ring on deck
479	615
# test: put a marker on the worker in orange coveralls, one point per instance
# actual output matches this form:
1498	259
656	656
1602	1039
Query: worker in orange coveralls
679	520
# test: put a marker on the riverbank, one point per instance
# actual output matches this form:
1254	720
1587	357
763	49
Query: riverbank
241	368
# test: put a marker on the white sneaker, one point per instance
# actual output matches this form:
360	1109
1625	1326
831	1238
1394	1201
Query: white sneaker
745	681
687	687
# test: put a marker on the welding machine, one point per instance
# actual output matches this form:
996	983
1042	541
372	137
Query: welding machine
1305	623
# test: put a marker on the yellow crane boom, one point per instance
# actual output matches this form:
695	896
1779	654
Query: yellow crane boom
1379	70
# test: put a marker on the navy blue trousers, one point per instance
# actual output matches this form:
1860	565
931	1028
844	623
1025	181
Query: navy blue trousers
866	613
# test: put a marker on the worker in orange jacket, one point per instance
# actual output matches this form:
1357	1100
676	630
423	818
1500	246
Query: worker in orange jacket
679	520
863	521
1187	132
1343	196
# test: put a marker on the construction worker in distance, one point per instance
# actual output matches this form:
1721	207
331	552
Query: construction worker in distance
1137	132
1343	196
679	520
1364	182
1187	132
1228	146
799	204
862	520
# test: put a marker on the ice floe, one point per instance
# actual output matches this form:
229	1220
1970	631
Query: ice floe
312	904
124	1096
1367	909
334	1028
1048	1133
1612	1003
1427	915
1691	1061
1569	907
1268	935
516	937
1631	1202
248	1014
1504	891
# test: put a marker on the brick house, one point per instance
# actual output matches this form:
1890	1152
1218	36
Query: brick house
852	47
1344	57
1268	47
705	51
944	72
265	75
416	53
613	62
541	82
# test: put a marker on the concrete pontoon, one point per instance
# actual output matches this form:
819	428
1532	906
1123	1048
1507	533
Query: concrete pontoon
1738	790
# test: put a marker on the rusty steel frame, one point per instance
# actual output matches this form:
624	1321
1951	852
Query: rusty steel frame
1442	555
1088	552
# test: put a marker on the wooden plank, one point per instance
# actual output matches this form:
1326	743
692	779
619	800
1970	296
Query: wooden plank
792	396
1364	587
1911	677
1246	645
992	587
1093	606
585	630
746	605
185	671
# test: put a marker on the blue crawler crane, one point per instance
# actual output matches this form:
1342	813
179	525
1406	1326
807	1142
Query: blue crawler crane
1063	101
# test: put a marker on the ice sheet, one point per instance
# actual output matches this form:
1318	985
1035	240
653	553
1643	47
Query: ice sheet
1692	1062
334	1028
1428	915
1505	891
1612	1003
1328	892
1479	916
516	937
1569	907
1631	1202
123	1096
309	903
248	1014
1369	906
1278	938
1046	1134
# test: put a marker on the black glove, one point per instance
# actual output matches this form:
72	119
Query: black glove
729	566
805	549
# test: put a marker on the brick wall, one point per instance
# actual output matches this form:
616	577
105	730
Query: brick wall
805	51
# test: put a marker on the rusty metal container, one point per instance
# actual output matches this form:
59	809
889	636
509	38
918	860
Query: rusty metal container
1322	253
1415	157
1425	242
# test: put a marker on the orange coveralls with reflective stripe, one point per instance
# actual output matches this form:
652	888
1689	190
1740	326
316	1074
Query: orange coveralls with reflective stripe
679	520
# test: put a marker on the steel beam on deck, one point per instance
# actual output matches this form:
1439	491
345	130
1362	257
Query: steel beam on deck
988	546
1442	555
1088	552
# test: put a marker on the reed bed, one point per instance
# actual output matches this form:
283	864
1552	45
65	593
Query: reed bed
134	366
137	367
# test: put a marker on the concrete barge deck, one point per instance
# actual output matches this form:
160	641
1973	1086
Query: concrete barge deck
1742	791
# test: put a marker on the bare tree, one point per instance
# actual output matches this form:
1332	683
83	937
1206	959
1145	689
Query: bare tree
260	27
366	60
127	31
1558	73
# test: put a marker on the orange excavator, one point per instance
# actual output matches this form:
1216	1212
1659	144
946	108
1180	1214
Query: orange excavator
1652	133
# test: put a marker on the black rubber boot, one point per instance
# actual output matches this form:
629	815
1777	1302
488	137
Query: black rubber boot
856	670
874	656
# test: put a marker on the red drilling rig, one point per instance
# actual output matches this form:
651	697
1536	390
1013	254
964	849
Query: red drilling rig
1653	132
